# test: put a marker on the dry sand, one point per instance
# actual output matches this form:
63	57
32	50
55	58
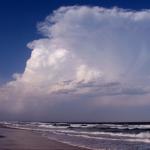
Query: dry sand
14	139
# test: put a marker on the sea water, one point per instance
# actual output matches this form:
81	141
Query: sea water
102	136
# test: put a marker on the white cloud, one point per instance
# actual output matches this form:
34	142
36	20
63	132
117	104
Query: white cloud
85	74
86	52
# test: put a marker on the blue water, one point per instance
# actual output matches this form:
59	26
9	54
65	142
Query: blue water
114	136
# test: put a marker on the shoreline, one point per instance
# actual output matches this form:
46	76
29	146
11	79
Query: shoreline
18	139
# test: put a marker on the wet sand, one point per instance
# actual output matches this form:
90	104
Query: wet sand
14	139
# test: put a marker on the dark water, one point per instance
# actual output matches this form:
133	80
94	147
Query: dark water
106	136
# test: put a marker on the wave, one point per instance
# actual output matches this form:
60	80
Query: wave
92	130
106	134
115	139
80	125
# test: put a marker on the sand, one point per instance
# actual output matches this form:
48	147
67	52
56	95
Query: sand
15	139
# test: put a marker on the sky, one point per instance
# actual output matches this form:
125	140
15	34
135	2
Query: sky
74	60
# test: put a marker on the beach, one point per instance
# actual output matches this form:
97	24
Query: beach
16	139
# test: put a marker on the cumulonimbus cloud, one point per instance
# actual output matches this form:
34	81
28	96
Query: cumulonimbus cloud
86	52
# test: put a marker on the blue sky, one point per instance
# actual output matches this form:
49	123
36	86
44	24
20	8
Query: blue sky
64	59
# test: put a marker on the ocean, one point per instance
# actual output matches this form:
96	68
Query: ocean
96	136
